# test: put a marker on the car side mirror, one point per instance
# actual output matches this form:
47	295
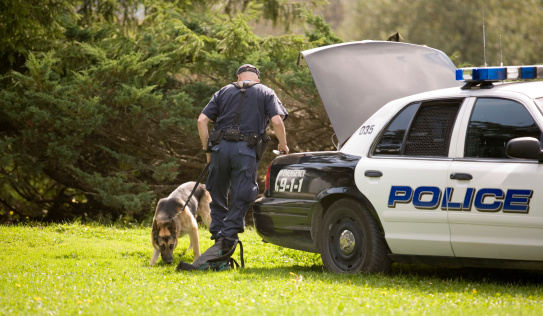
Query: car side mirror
524	147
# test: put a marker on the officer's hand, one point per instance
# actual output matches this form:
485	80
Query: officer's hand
283	148
208	156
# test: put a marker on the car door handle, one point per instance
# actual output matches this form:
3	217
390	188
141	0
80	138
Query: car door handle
461	176
373	173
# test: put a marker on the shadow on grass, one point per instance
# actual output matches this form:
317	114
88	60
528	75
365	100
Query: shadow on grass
411	276
481	275
415	273
403	279
286	271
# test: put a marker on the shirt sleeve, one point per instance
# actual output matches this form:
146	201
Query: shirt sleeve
275	107
284	113
211	110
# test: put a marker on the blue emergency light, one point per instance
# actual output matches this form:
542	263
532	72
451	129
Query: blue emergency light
489	74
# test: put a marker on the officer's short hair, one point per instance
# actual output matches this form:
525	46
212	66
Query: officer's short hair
248	67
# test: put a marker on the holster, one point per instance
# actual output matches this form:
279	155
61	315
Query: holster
252	140
262	145
214	138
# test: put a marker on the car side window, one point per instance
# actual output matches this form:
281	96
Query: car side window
421	129
392	140
493	123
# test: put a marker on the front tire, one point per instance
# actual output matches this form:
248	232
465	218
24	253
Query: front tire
351	241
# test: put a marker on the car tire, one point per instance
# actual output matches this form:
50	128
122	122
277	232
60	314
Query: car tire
350	240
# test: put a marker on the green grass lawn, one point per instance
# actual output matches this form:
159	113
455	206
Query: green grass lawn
80	269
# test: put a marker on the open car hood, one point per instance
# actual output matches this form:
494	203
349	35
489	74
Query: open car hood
355	79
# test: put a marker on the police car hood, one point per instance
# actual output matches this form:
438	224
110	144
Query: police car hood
355	79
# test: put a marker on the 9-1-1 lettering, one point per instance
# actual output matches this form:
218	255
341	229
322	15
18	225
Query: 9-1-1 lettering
294	185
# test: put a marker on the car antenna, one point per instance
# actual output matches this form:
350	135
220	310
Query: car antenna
484	41
501	52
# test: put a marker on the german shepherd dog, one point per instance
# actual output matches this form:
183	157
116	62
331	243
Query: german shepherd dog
169	222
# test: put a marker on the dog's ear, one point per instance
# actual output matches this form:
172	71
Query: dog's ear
154	231
173	228
154	235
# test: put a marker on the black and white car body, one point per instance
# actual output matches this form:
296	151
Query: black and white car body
434	170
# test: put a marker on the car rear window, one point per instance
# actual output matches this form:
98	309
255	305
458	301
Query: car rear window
421	129
392	140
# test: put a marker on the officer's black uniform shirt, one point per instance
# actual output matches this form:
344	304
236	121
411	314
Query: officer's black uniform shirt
260	104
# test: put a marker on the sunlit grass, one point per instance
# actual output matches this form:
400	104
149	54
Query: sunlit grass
73	268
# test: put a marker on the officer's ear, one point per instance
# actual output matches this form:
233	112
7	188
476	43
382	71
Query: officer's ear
239	77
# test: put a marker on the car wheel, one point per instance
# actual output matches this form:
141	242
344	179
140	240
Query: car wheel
351	241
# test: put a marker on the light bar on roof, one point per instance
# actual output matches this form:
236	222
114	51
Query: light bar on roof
499	73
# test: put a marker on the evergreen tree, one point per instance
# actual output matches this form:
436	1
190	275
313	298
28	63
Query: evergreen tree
101	122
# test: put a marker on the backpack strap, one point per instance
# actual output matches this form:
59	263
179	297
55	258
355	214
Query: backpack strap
221	263
229	254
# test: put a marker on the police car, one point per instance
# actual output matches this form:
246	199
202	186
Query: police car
436	166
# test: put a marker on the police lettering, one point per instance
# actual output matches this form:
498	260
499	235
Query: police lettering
484	200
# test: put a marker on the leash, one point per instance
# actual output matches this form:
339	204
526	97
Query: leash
193	189
195	186
216	263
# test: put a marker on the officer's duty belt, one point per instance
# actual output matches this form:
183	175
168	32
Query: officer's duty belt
242	138
252	139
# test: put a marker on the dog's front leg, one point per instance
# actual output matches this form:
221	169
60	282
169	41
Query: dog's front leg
155	257
194	242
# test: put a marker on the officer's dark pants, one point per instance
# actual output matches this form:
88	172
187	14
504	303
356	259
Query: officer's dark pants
232	166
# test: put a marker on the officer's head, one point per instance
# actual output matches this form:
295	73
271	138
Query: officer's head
248	72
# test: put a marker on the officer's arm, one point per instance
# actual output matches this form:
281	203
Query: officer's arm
203	131
279	129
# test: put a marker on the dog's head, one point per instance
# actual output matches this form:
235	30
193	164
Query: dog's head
165	239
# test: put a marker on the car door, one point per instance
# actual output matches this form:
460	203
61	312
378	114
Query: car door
495	203
404	175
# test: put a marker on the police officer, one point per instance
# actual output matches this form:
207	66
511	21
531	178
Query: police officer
240	112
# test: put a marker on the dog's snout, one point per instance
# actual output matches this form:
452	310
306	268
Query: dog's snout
167	257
